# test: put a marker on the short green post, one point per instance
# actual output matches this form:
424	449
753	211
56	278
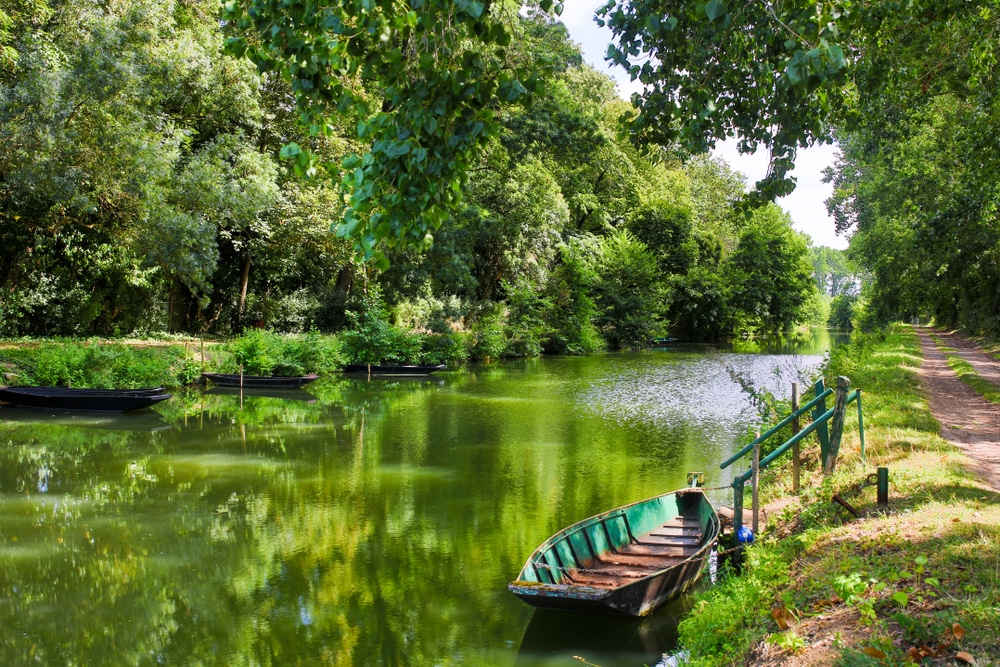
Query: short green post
883	487
822	431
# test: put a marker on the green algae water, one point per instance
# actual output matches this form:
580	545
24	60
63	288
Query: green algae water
357	523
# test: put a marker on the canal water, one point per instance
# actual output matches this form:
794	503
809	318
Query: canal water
360	522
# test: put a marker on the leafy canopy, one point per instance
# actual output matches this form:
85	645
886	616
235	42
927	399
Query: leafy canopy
770	73
423	78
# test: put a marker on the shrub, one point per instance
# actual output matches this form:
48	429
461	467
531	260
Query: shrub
488	334
100	365
267	353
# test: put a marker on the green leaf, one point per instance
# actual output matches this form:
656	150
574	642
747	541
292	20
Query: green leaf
901	598
837	56
289	151
475	9
715	10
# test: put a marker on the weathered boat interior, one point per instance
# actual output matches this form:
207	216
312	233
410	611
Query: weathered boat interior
609	549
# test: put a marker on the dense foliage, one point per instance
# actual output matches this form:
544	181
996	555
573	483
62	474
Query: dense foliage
98	365
141	187
909	90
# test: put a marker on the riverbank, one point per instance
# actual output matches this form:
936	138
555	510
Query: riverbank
134	364
917	582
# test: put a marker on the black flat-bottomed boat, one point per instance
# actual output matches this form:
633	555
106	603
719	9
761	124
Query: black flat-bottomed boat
65	399
259	381
629	560
393	369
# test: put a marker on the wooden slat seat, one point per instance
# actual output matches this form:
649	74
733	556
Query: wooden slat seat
658	550
660	561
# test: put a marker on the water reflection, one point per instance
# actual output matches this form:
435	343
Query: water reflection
375	524
141	420
556	638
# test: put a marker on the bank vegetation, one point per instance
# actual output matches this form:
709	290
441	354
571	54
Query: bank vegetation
913	584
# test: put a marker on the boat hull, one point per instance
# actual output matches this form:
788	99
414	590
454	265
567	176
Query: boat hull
630	560
392	369
62	399
259	381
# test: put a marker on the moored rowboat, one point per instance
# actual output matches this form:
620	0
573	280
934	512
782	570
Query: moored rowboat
262	381
628	560
64	399
393	369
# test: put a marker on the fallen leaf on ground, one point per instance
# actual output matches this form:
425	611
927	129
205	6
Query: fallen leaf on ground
962	656
873	652
781	616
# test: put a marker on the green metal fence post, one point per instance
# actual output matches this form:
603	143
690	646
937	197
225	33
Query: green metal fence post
822	432
861	428
737	520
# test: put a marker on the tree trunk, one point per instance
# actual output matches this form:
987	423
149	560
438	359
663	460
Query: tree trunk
244	281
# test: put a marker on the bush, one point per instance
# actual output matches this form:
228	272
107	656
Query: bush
451	349
373	339
267	353
628	291
571	309
488	334
98	365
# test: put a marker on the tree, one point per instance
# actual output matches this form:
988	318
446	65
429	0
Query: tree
770	273
712	70
628	291
429	76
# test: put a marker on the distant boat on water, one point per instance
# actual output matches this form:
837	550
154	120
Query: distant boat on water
393	369
259	381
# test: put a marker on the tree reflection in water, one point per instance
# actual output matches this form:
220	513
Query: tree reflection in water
376	523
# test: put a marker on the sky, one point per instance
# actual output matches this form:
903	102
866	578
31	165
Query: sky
805	204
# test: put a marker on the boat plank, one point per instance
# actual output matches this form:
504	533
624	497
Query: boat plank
673	540
653	550
658	561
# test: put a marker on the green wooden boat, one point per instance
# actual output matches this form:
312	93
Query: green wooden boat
629	560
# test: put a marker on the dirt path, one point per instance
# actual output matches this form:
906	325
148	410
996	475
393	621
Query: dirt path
968	420
985	365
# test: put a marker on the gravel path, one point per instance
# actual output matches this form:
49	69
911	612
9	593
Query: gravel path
968	420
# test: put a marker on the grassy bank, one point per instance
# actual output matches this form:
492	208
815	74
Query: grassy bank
920	582
104	364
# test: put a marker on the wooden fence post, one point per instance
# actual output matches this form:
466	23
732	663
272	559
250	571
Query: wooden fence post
795	430
837	427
